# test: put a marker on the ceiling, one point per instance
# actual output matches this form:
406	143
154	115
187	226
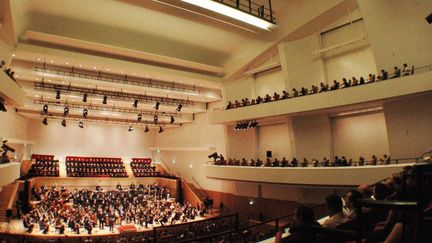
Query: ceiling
142	41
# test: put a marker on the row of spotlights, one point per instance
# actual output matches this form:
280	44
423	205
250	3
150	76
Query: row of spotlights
135	104
81	125
245	125
63	123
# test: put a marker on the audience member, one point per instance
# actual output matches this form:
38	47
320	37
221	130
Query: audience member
336	215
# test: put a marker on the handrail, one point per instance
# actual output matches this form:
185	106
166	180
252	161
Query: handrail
13	197
291	95
200	187
386	204
193	193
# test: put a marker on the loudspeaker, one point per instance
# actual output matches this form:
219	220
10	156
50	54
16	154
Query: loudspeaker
429	18
269	154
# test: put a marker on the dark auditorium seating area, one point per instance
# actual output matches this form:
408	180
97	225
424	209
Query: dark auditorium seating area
141	167
95	167
45	165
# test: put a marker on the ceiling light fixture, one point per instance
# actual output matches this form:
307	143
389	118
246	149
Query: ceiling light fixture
66	111
130	128
161	130
157	105
85	113
179	107
85	98
58	94
104	101
232	13
45	109
139	117
81	124
146	129
135	104
172	120
64	123
45	121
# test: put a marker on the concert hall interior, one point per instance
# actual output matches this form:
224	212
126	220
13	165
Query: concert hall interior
215	120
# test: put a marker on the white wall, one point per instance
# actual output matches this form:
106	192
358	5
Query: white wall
409	126
360	135
13	125
353	60
242	143
275	138
92	140
398	31
301	67
269	82
312	136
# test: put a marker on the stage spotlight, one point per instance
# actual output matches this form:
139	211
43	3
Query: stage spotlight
81	124
58	94
64	123
139	117
66	111
85	113
130	128
179	107
161	130
45	109
253	124
135	104
155	119
85	98
104	101
172	120
157	105
2	106
146	129
45	121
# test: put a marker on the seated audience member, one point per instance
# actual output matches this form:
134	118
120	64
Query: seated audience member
267	98
396	72
229	106
385	160
305	163
345	83
349	207
371	78
2	64
244	162
344	162
284	162
315	162
361	81
383	76
303	91
323	87
243	102
299	229
268	163
381	191
365	190
374	160
337	161
326	162
237	104
361	161
405	70
285	95
259	100
276	96
294	162
295	92
258	163
252	163
335	85
314	89
253	102
276	163
336	215
247	102
355	82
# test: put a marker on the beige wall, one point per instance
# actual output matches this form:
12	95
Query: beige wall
312	136
360	135
275	138
302	68
409	127
398	31
13	125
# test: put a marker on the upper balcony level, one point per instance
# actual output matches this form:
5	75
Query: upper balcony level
371	94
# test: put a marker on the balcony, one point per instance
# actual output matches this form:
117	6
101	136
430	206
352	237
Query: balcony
308	176
11	91
371	93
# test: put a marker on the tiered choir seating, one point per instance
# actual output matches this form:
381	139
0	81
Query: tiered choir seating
45	165
141	167
95	167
